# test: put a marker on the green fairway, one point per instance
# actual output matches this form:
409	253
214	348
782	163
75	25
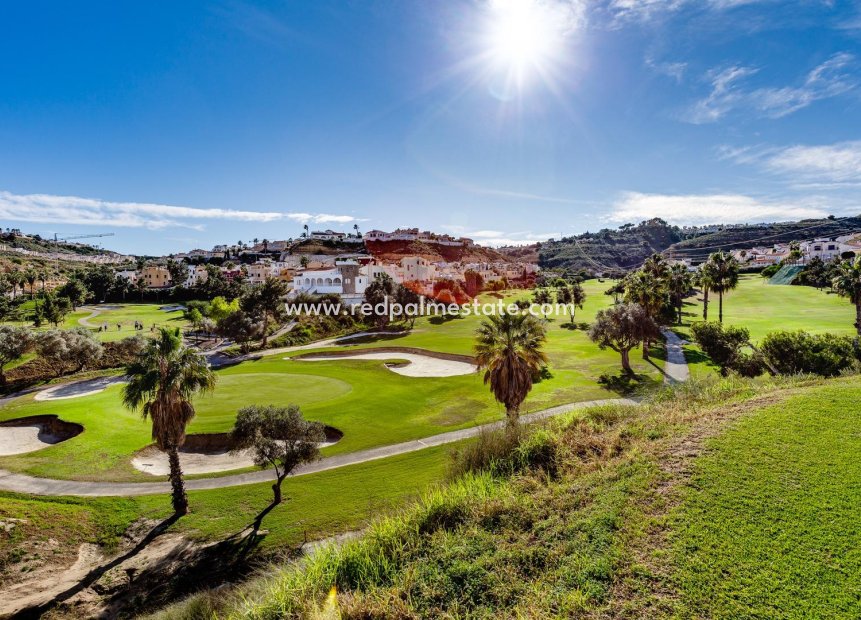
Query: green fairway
125	316
369	403
769	525
762	308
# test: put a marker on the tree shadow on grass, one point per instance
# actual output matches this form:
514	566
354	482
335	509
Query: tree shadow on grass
582	326
625	384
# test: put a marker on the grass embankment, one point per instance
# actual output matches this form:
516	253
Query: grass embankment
316	506
610	520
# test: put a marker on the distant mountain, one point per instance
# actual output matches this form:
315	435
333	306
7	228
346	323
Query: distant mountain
606	250
768	235
627	247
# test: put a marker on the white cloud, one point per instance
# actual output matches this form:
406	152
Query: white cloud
322	218
697	209
46	208
498	238
826	165
675	70
829	79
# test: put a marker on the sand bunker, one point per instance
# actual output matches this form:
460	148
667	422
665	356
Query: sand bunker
206	454
34	433
418	364
77	389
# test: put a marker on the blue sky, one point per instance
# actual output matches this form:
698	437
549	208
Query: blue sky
183	124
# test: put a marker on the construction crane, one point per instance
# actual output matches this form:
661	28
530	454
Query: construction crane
56	240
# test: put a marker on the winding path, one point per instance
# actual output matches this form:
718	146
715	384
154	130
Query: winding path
21	483
676	367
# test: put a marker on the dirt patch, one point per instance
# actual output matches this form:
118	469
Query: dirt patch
34	433
207	453
421	363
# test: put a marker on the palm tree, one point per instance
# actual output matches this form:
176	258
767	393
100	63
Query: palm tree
31	278
305	234
648	291
508	349
847	283
679	285
162	381
657	266
705	280
724	271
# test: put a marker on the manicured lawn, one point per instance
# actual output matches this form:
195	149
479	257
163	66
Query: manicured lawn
769	526
762	308
370	404
123	314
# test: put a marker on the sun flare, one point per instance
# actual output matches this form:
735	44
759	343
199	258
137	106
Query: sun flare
522	33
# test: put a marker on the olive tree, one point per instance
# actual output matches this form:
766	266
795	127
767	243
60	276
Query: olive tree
279	437
14	343
61	347
623	327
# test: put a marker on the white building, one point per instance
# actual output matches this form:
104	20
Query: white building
196	275
345	279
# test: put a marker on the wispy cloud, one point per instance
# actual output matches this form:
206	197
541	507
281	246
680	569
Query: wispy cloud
823	166
675	70
697	209
498	238
646	10
828	79
46	208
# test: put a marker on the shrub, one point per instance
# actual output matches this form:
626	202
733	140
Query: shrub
724	346
506	452
800	352
770	271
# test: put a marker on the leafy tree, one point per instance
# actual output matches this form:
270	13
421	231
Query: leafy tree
542	296
815	273
279	437
509	349
473	282
220	308
195	317
75	291
722	268
162	383
14	343
240	327
724	345
61	347
623	327
178	272
377	293
267	302
54	309
847	283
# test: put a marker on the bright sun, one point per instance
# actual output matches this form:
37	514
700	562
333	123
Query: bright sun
522	36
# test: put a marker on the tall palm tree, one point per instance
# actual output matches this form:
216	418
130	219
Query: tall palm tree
31	278
724	271
508	349
645	289
657	266
679	285
847	283
162	382
705	280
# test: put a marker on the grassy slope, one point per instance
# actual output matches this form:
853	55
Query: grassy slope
315	506
767	526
